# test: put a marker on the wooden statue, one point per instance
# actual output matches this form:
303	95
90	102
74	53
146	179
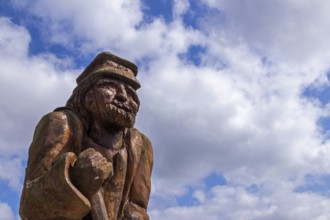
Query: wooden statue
86	161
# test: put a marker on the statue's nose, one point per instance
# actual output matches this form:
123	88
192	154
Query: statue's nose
121	93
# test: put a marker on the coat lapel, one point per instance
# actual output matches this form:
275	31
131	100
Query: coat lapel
133	145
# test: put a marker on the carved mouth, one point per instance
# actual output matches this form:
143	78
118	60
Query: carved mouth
120	116
118	110
122	106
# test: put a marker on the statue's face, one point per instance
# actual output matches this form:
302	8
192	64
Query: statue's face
113	102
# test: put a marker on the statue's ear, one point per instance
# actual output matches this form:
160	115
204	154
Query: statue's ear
89	98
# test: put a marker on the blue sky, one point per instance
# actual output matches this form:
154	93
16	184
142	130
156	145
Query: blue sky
234	97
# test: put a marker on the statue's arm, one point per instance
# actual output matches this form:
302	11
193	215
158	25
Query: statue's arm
141	185
48	192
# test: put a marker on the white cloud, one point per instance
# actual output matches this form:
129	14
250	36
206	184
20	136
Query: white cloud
204	120
180	7
241	113
231	203
287	31
106	25
6	212
95	23
11	171
9	36
30	86
247	116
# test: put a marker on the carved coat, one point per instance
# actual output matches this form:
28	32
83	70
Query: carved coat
48	192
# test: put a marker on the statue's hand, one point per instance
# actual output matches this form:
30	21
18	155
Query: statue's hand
90	171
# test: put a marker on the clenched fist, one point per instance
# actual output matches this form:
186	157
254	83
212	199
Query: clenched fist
90	171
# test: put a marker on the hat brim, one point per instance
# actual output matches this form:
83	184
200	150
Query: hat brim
115	74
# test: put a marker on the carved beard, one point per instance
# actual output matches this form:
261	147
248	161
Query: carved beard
114	115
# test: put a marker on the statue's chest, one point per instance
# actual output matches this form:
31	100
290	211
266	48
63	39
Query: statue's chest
125	160
113	189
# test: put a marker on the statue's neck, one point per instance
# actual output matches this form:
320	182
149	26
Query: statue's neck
110	137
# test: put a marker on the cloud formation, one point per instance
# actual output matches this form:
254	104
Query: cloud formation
286	31
230	203
6	212
30	86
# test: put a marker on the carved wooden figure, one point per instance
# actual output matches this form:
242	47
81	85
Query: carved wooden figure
86	161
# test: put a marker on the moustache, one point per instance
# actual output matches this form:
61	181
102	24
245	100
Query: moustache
119	116
123	106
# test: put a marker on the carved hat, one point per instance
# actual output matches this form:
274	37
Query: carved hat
109	65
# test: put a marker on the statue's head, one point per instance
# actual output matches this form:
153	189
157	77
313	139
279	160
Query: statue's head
106	92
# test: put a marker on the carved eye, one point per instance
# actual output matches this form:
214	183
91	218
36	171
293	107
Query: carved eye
132	93
136	99
107	85
89	98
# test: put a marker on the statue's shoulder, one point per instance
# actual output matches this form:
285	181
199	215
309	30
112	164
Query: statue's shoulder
67	114
135	132
64	116
56	132
143	147
144	140
59	121
51	120
58	117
